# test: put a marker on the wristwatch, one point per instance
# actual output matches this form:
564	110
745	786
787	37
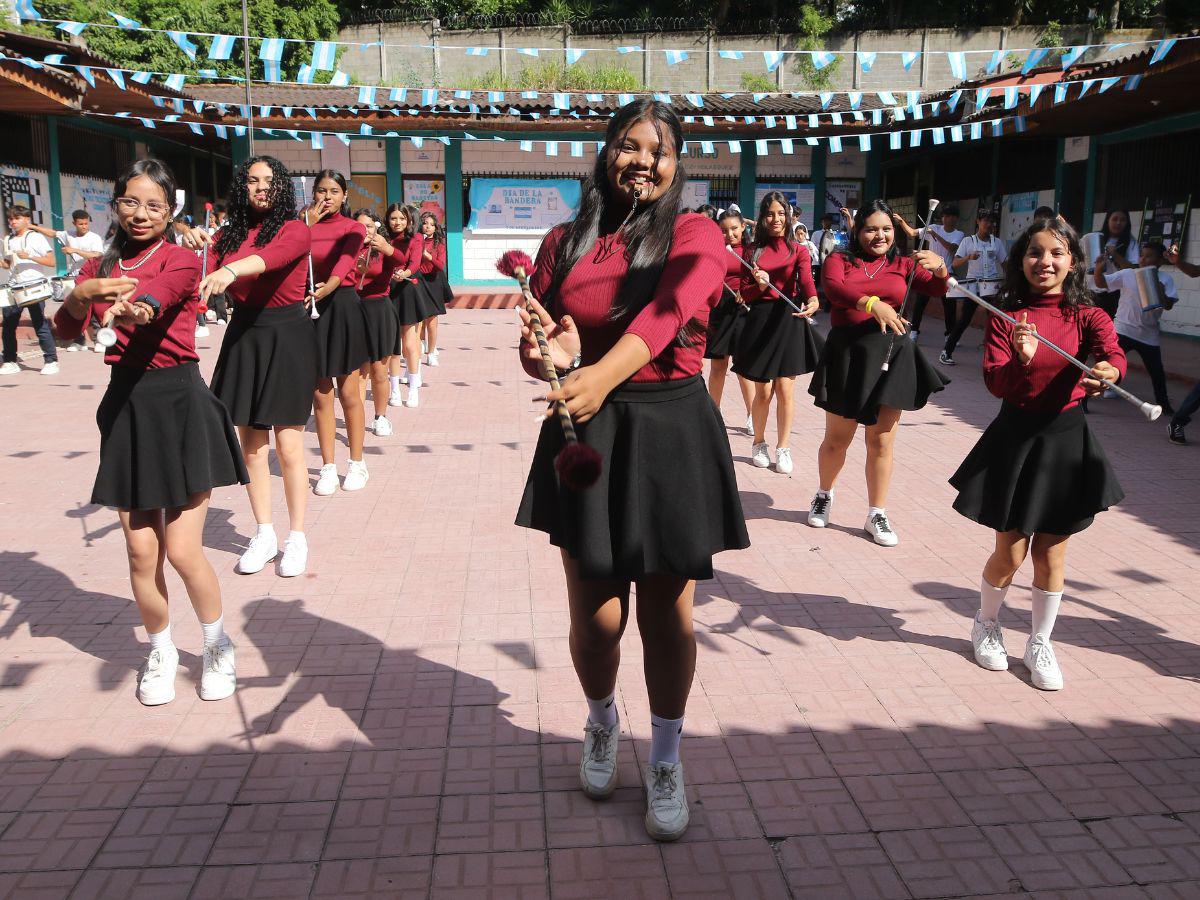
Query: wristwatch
575	364
155	306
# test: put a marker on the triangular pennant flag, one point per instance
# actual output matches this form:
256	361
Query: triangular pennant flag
625	99
956	133
769	121
1133	82
306	74
86	72
141	77
75	28
552	148
694	99
271	50
730	54
1161	51
183	42
825	97
1060	92
866	59
317	139
914	97
821	58
562	101
271	70
939	136
958	65
735	146
1010	98
1031	61
981	95
997	128
785	144
908	57
675	56
1070	56
772	59
1085	87
174	82
877	117
1106	83
324	56
760	147
976	130
894	139
149	123
477	51
864	143
835	144
221	47
196	129
25	10
952	102
339	79
1035	91
528	51
574	55
577	148
366	95
127	24
836	118
629	49
887	98
914	138
994	63
855	98
813	120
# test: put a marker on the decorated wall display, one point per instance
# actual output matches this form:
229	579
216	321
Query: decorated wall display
695	194
846	193
507	204
91	194
1164	221
800	196
20	186
1018	213
427	195
368	192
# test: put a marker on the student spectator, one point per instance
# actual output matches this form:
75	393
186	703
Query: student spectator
1191	403
983	254
78	245
943	240
28	256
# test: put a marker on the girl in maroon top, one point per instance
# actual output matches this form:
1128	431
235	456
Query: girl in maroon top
729	317
341	330
433	282
412	307
165	440
267	369
1038	474
373	271
630	283
868	372
777	343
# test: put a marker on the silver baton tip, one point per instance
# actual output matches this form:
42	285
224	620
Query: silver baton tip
952	281
1151	411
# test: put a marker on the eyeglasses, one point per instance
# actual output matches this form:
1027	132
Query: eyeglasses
154	209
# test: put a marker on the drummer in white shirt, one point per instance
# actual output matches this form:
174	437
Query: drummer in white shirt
983	254
79	245
28	257
943	240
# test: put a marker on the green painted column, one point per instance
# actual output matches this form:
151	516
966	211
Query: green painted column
395	180
747	179
1059	151
874	186
58	219
818	182
454	211
1089	185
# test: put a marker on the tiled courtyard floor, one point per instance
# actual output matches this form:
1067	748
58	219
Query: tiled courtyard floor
407	719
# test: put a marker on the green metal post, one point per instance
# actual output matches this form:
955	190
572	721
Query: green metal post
454	211
395	180
57	217
818	182
747	179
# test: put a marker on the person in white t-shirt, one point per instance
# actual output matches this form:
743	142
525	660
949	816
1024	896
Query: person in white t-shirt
943	240
984	256
27	257
79	245
1138	329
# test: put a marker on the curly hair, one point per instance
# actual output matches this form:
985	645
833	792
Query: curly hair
240	215
1015	292
439	233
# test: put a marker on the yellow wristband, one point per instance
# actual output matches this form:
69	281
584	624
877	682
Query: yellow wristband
870	303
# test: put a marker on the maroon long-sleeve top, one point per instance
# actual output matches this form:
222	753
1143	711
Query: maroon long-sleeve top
170	275
437	251
336	240
688	289
733	268
376	280
1049	383
790	271
846	279
409	250
286	277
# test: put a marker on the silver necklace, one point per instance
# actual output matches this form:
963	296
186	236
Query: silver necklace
141	262
871	275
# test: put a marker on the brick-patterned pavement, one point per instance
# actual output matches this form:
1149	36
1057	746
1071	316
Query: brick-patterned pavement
407	719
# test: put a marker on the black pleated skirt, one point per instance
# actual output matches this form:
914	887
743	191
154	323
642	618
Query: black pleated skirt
413	305
667	499
267	370
1036	473
436	289
850	381
383	330
163	438
341	333
724	329
775	344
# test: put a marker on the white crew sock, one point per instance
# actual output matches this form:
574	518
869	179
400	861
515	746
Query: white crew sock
161	640
394	381
876	511
664	739
414	379
213	632
990	600
1045	611
603	711
828	493
298	536
268	528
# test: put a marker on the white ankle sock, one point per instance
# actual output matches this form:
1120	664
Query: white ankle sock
414	378
990	600
1045	611
266	529
162	639
664	739
876	511
821	493
213	632
297	536
394	381
604	711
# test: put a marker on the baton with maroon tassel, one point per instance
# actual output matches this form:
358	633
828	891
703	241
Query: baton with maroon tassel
578	465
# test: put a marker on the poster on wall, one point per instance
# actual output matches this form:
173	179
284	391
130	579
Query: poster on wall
1018	212
94	195
800	196
427	195
840	194
695	194
518	204
26	187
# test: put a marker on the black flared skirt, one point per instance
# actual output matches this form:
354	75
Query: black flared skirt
850	381
724	329
163	438
667	499
775	344
267	370
413	305
382	327
436	289
341	333
1036	473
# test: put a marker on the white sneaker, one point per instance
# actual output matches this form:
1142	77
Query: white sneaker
210	315
414	398
988	640
912	335
783	460
880	530
404	380
818	510
217	678
263	548
295	558
666	801
99	348
202	331
946	359
356	476
760	456
10	368
383	428
156	680
424	346
73	348
1043	667
327	480
50	368
395	398
432	359
750	425
598	767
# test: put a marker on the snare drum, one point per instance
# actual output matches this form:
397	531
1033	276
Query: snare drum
1151	293
31	292
984	287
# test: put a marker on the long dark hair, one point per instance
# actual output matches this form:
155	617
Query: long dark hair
860	222
158	172
439	233
334	175
1015	291
648	232
369	213
241	216
736	214
761	237
1123	241
409	211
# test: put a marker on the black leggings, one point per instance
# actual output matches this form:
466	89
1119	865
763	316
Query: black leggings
1152	360
966	314
949	312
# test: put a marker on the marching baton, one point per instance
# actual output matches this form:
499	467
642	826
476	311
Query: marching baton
921	240
312	281
782	296
1150	410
